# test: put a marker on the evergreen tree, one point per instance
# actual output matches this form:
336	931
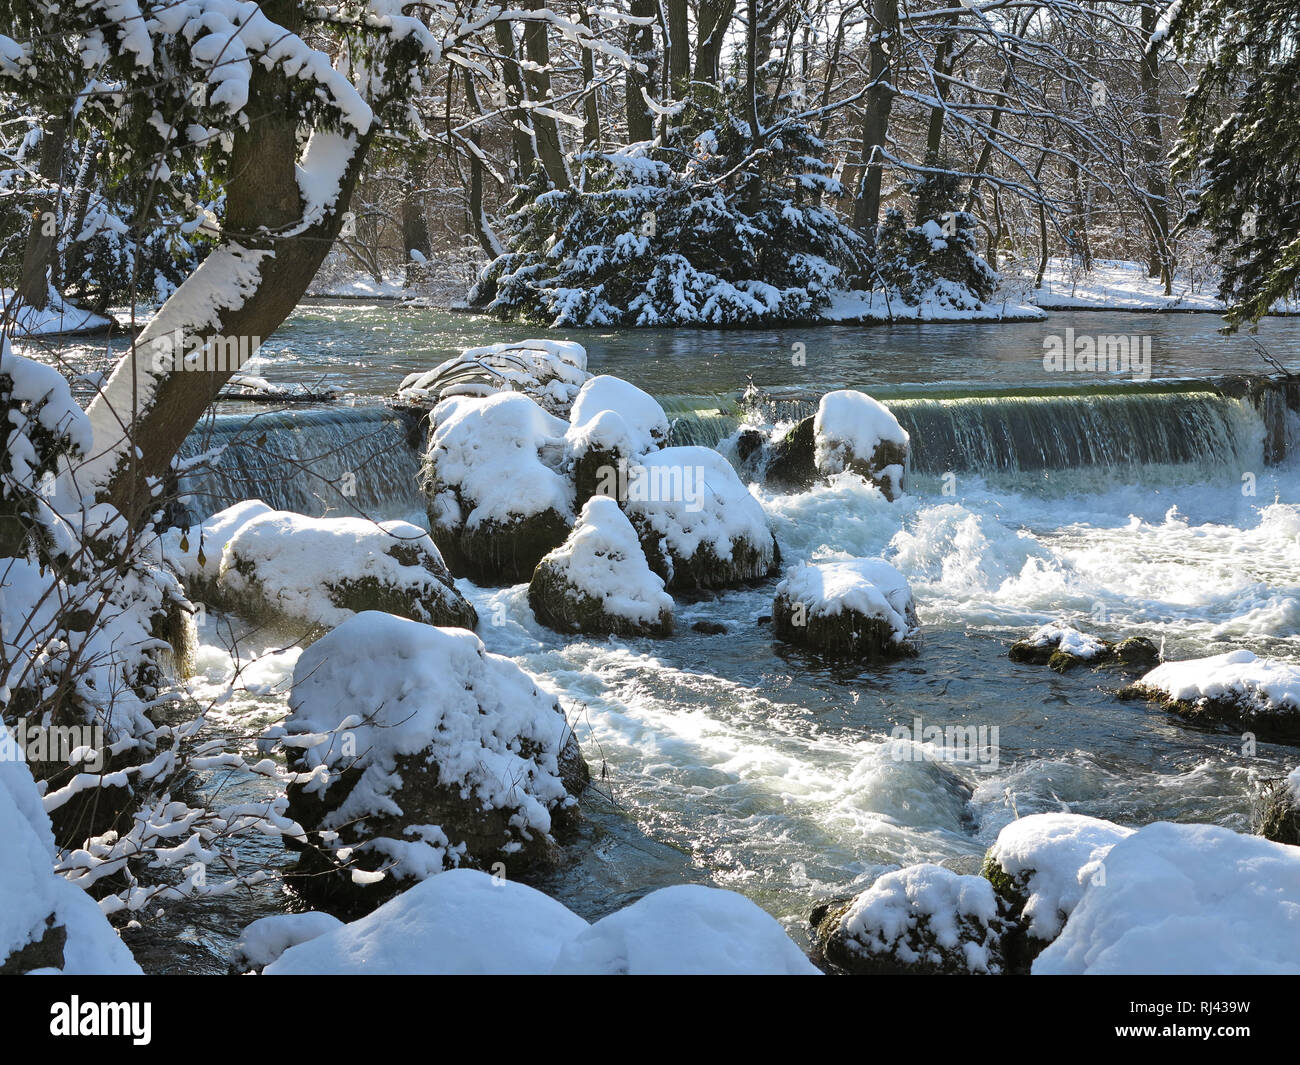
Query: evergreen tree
1239	134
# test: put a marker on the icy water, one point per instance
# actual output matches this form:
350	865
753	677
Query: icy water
735	760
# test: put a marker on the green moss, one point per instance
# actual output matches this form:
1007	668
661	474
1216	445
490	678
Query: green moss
847	634
564	608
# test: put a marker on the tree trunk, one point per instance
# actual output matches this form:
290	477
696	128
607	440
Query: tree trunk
546	131
875	116
42	247
478	220
712	19
415	228
520	128
1153	148
679	46
590	105
641	46
240	294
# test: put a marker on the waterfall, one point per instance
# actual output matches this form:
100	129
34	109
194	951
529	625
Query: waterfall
339	460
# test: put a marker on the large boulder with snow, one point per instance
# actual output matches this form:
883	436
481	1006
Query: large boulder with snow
854	608
417	751
923	919
549	371
857	434
598	580
698	524
613	423
1040	866
497	485
687	930
459	923
46	922
1184	900
267	938
317	571
1237	689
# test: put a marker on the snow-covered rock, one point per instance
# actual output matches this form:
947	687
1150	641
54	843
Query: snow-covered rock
1040	866
598	580
460	923
685	930
417	751
1062	647
263	941
195	553
1237	689
1184	899
497	485
855	433
921	919
46	922
612	421
321	571
550	371
858	607
698	524
1278	812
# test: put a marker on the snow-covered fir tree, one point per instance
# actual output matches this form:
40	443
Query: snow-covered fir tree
713	225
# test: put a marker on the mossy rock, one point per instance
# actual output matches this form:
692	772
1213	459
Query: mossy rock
1137	652
793	460
501	553
1028	653
1019	947
43	953
565	608
1277	814
846	635
887	453
1281	725
704	569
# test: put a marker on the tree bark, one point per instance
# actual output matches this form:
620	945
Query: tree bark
590	105
1153	147
641	46
875	117
42	248
546	130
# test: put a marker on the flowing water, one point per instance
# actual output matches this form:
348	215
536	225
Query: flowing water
1128	508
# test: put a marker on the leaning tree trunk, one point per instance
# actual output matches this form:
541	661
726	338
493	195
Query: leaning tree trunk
875	116
712	20
238	295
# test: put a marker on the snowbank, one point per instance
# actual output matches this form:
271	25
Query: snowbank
922	919
1184	899
857	606
697	522
53	923
267	938
869	308
418	751
499	498
685	930
54	318
598	580
460	923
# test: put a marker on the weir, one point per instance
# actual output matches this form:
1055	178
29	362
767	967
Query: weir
365	460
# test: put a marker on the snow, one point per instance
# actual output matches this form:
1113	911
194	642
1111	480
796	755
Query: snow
551	371
379	687
493	453
181	548
1185	899
39	396
293	560
267	938
693	499
685	930
936	901
610	414
1052	851
56	317
1265	685
874	307
602	558
459	923
1067	639
868	586
851	425
30	890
